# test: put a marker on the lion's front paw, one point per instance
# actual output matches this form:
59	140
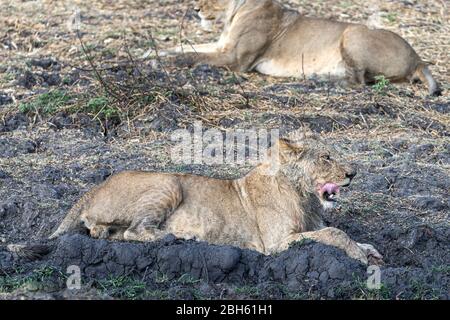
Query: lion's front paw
372	254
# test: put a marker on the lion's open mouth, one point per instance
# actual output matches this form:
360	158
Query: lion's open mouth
330	191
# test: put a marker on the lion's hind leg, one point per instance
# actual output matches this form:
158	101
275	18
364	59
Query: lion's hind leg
144	229
423	74
151	211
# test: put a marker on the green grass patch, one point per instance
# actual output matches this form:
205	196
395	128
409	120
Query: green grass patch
382	85
7	77
391	17
101	107
362	292
247	291
445	269
422	291
157	294
123	287
33	281
46	103
161	278
187	279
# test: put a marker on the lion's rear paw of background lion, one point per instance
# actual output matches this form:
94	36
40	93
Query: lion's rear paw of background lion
185	60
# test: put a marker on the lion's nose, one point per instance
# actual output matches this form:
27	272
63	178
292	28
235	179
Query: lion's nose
350	174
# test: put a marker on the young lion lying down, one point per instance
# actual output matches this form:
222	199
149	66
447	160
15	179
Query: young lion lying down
265	210
265	36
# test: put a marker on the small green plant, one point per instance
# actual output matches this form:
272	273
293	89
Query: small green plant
19	269
153	97
156	294
161	278
100	107
46	103
391	17
123	287
297	296
35	279
187	279
198	295
232	79
419	290
89	47
422	290
7	77
247	291
381	85
383	293
445	269
66	80
11	283
108	52
43	273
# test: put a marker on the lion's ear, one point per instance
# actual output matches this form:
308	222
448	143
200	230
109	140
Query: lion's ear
283	150
288	145
302	133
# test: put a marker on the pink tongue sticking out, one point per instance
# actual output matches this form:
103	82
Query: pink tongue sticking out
330	188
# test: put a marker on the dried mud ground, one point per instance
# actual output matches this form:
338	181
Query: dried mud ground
62	131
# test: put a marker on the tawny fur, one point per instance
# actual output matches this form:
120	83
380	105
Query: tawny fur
264	210
265	36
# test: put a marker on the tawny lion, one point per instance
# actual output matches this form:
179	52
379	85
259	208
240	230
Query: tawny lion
264	210
265	36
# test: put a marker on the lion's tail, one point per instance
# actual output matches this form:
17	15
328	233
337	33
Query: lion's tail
71	221
29	252
424	74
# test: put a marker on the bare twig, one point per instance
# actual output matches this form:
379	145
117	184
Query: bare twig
94	68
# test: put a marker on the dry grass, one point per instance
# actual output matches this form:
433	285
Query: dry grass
114	32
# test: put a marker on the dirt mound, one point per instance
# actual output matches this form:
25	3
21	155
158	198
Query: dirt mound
307	269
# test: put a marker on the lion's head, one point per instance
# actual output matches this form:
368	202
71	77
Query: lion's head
306	160
209	11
